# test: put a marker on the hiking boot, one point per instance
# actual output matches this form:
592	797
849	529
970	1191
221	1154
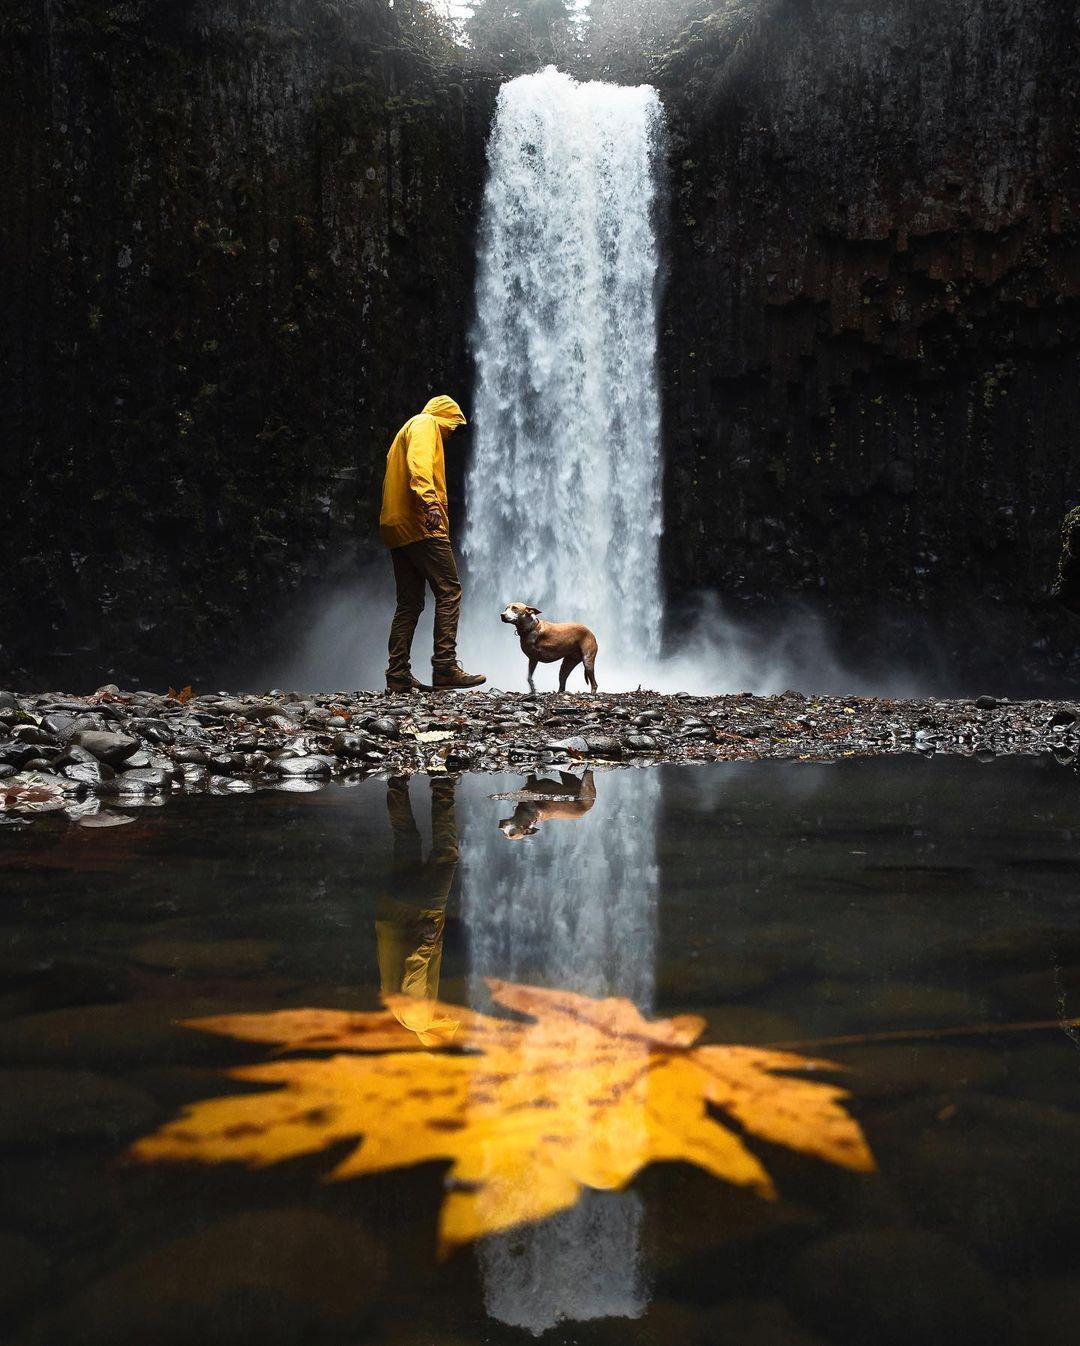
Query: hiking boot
455	676
406	684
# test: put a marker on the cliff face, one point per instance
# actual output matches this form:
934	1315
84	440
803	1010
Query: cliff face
242	244
871	338
240	237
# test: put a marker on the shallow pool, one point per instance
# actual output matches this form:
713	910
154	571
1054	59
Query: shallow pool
535	1137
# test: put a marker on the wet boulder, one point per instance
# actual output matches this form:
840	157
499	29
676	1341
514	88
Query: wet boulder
144	780
641	743
92	773
106	746
302	766
603	745
354	745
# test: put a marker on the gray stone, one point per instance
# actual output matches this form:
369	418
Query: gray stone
603	745
144	780
302	766
353	745
89	773
644	743
106	746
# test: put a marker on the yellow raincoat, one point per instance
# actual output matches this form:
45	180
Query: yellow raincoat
416	474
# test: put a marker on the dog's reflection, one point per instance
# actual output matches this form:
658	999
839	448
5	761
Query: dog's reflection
543	799
411	916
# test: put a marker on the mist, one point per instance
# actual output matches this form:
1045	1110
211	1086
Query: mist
344	647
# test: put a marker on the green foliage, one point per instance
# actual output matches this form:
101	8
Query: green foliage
522	34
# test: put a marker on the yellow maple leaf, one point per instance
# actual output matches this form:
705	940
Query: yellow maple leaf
583	1094
184	695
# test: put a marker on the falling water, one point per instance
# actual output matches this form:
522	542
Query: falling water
596	937
564	484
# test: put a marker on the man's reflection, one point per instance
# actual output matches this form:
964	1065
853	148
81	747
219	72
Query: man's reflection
411	914
543	799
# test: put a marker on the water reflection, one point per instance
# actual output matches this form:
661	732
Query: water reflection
411	914
542	799
574	908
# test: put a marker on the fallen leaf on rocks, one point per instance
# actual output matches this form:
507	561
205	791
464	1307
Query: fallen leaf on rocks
584	1094
184	695
433	735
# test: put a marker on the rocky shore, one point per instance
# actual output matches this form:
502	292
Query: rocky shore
74	753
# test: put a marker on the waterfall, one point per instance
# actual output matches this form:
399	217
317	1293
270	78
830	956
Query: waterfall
563	488
574	907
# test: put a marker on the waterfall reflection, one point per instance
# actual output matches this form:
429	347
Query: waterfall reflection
411	914
592	933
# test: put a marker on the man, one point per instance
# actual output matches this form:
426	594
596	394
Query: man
411	915
415	525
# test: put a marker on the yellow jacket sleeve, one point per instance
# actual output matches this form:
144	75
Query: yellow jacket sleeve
423	442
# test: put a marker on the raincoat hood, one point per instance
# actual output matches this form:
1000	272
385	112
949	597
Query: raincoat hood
446	411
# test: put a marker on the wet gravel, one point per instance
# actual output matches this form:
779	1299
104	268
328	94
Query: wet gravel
82	753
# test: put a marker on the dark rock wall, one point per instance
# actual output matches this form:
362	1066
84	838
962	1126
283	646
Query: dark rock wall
238	241
239	247
872	330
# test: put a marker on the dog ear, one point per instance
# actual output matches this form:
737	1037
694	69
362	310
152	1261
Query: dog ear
535	611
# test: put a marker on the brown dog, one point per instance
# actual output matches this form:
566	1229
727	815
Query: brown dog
545	642
536	806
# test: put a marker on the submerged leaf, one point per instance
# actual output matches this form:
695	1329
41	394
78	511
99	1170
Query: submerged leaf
585	1093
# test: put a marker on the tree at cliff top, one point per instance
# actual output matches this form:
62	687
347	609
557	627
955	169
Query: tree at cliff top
524	35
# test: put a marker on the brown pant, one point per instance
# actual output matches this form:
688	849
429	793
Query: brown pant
429	561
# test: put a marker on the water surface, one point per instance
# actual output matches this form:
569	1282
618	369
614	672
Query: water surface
871	907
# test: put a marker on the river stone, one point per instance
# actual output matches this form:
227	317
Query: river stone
603	745
897	1287
302	766
385	725
40	1107
353	745
89	773
144	780
17	754
157	731
106	746
9	701
641	743
190	755
573	744
31	733
263	1278
104	818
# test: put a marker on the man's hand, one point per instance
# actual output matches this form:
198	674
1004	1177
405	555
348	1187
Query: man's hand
433	519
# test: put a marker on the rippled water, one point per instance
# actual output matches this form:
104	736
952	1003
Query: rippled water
871	908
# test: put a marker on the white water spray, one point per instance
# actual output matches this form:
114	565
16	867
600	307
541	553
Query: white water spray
564	484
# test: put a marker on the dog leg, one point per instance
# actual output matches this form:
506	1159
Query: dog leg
589	658
532	670
567	667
